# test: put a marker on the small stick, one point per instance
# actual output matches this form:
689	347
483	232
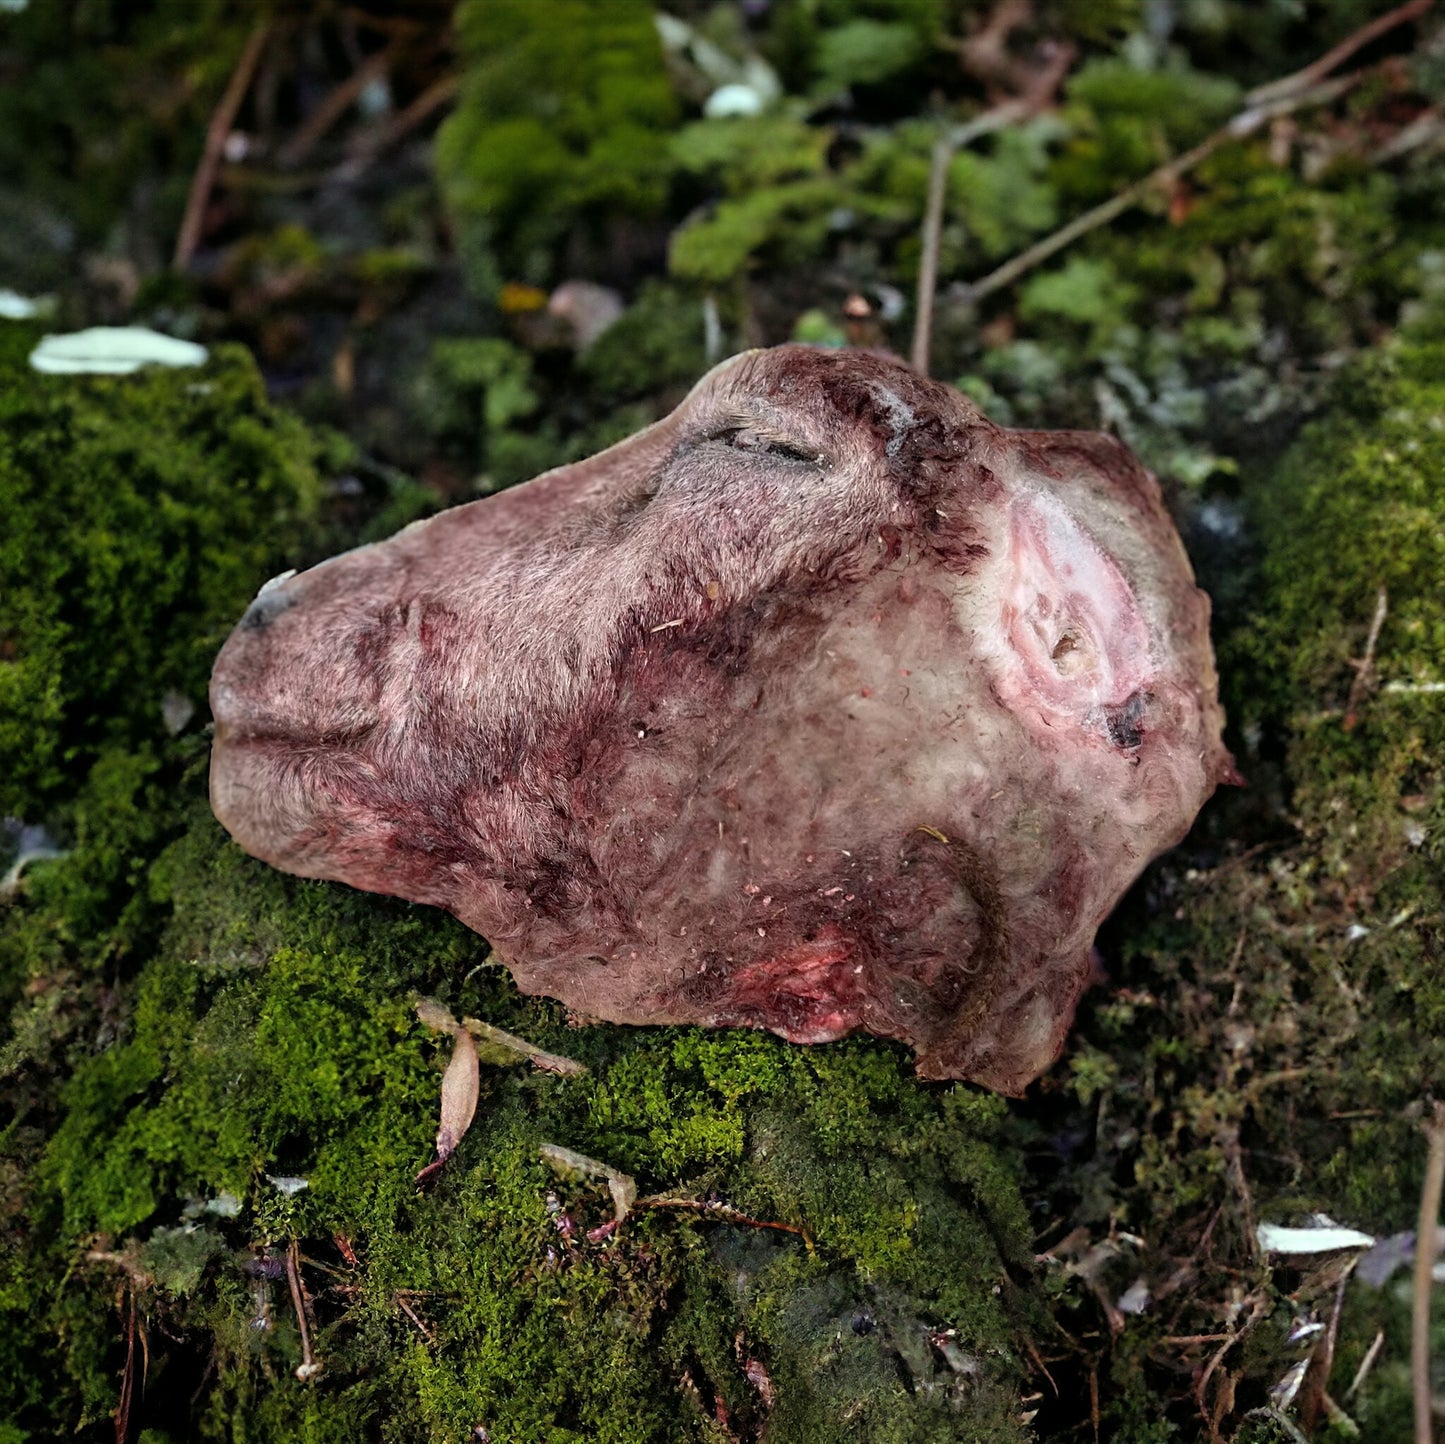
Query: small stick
334	106
1365	667
308	1367
412	1314
1366	1364
724	1211
439	93
126	1401
1244	124
537	1057
220	127
1427	1247
928	260
1331	59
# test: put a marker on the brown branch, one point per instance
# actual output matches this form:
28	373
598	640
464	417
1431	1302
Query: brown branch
1244	124
1365	667
340	99
928	258
308	1368
220	127
1427	1249
1316	70
126	1402
986	56
724	1211
441	92
1366	1364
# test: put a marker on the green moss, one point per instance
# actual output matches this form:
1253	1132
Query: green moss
140	514
233	1071
1281	1023
562	117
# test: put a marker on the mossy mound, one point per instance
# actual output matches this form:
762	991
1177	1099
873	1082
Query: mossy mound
1279	1026
836	1243
139	513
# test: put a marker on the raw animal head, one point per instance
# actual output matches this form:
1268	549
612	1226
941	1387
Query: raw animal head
823	704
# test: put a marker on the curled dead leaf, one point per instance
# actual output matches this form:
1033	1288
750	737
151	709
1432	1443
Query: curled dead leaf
461	1086
622	1186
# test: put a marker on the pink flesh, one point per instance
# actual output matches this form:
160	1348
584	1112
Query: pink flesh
1071	617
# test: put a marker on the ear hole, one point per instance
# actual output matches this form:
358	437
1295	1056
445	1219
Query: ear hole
1074	623
1066	646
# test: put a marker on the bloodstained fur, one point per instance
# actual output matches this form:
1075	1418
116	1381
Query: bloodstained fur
728	725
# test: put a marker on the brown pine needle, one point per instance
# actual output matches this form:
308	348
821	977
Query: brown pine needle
220	127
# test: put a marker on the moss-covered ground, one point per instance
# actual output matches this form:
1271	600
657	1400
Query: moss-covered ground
216	1093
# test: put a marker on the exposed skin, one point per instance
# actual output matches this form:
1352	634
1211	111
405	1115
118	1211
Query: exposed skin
823	704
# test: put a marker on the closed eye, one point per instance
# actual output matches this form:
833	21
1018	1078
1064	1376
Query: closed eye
757	442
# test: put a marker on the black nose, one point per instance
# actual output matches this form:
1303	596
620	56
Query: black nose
273	599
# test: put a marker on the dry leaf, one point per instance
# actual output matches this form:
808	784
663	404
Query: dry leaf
434	1016
461	1084
510	1046
621	1186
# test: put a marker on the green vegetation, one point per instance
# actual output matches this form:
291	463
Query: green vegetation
825	1248
139	513
561	126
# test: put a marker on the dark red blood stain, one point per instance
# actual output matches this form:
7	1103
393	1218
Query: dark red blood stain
815	990
822	705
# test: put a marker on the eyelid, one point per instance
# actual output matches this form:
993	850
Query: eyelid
775	443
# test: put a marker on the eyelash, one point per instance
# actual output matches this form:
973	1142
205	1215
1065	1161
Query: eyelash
755	443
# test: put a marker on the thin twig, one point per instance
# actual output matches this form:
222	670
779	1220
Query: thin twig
412	1314
308	1367
1244	124
1038	95
945	147
928	258
1365	667
1290	93
724	1211
1332	59
1427	1247
1366	1364
126	1402
439	93
220	127
341	98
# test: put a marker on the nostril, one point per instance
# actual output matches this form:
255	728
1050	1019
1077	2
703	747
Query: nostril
270	602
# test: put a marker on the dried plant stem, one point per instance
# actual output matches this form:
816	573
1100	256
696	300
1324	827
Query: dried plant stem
1244	124
1426	1250
1333	59
308	1366
334	106
220	127
1365	667
1366	1364
717	1209
125	1405
439	94
1285	96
